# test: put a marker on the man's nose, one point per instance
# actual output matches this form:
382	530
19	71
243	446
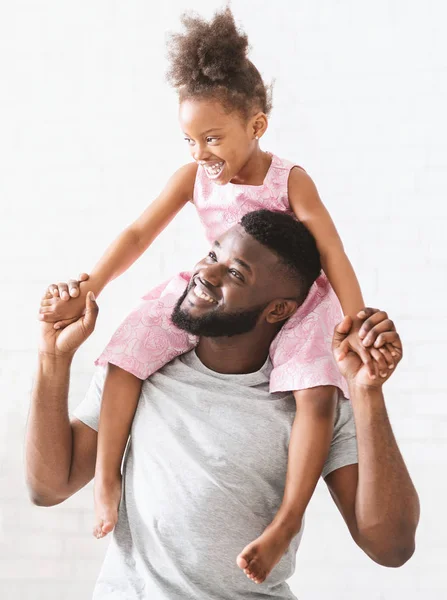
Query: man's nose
211	275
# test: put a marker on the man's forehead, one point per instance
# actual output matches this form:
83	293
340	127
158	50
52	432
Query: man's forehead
238	244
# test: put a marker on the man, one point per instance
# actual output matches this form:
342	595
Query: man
206	464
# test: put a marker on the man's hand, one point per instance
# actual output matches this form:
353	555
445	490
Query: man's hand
379	331
63	342
64	302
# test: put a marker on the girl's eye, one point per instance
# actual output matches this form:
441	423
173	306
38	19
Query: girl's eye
212	255
210	140
189	141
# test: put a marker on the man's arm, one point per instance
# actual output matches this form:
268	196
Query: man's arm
59	455
377	498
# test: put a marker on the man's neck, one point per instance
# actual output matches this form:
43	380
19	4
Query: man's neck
235	355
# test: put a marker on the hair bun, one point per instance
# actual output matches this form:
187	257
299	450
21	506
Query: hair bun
222	53
214	51
209	58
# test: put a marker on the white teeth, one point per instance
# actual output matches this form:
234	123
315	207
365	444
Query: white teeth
213	171
202	295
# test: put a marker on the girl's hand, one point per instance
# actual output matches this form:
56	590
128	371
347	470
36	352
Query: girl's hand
64	302
349	361
60	344
65	291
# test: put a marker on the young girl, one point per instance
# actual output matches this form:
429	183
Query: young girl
224	105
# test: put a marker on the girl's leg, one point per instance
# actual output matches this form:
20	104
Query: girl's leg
119	402
309	445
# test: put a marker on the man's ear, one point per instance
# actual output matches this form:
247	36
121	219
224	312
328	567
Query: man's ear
280	310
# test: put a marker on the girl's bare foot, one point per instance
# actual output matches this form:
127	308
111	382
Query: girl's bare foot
258	558
107	500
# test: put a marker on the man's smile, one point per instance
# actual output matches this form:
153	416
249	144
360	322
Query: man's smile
202	292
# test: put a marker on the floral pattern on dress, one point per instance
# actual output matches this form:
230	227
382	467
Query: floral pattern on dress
301	352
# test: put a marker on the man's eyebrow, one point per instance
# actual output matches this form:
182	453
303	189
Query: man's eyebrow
243	264
239	261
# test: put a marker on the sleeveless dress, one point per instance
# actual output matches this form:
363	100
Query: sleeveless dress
301	352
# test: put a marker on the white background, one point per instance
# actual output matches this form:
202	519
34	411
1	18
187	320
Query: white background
89	135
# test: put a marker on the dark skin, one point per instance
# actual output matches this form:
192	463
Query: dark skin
60	455
376	497
238	274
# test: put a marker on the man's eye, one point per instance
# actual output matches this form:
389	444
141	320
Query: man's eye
236	274
212	255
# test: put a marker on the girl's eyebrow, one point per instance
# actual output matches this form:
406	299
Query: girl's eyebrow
215	130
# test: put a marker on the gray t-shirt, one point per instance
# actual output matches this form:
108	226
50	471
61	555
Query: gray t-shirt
204	474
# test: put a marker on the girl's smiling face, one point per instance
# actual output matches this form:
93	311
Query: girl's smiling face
221	141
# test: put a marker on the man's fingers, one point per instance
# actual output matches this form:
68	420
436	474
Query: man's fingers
371	322
368	361
64	323
385	350
381	363
83	276
342	350
341	331
389	337
382	327
367	312
91	312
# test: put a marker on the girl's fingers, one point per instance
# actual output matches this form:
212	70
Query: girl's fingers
46	309
73	286
53	290
63	291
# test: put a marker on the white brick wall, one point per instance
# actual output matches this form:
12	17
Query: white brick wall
88	135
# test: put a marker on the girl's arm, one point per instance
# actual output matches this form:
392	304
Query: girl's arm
136	238
310	210
128	246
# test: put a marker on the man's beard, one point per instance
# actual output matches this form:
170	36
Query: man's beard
215	324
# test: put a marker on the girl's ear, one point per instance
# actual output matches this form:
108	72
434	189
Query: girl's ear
258	125
280	310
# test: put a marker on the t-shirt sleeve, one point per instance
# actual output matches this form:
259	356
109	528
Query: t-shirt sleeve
343	450
89	409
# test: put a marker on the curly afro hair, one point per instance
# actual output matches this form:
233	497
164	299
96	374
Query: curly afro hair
291	241
210	61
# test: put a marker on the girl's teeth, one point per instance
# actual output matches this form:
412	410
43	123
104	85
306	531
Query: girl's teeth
214	170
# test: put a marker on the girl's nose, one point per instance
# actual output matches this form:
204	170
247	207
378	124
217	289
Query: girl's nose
200	153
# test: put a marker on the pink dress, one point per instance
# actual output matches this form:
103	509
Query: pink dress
301	352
